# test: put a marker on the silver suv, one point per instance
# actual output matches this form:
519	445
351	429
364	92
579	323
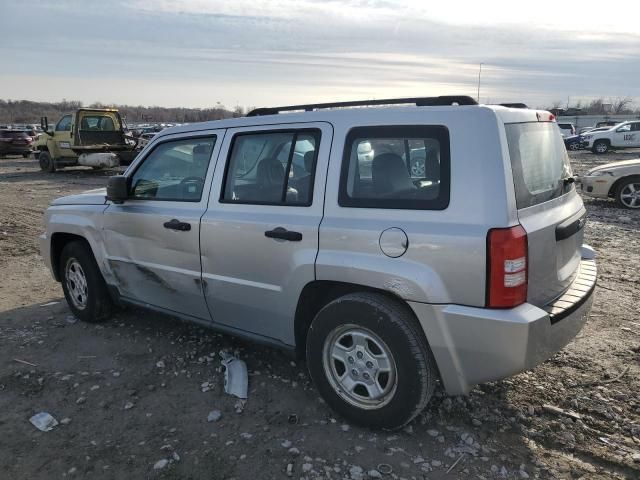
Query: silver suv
392	247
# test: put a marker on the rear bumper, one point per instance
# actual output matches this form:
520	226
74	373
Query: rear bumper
473	345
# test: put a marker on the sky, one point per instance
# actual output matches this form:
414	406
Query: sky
196	53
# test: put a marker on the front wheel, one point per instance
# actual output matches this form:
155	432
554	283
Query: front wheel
600	147
628	193
83	285
46	162
574	146
370	361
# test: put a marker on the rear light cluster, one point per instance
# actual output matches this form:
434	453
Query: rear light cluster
506	267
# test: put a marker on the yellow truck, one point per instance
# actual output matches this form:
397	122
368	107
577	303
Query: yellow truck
95	137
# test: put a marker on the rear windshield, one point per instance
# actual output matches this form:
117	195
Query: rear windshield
539	162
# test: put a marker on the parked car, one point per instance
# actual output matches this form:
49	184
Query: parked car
145	138
617	180
576	142
15	142
573	142
266	227
567	128
623	135
608	123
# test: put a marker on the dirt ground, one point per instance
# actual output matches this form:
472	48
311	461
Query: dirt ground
138	390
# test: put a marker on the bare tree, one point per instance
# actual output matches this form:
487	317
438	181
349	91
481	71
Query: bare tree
620	105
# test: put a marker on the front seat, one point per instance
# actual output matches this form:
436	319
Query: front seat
389	174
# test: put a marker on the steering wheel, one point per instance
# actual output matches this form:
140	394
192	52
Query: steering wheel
198	181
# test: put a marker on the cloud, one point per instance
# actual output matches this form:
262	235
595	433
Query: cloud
196	52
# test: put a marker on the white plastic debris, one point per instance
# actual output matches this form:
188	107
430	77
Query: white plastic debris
214	416
236	378
48	304
160	464
43	421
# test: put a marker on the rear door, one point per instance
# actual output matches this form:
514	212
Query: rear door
549	208
259	235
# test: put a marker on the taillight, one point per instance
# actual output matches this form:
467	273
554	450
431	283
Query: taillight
506	267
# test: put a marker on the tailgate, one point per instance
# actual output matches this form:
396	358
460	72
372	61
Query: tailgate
555	235
549	209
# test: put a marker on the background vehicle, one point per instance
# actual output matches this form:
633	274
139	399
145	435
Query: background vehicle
385	277
623	135
145	138
573	142
15	142
619	180
90	136
576	142
567	128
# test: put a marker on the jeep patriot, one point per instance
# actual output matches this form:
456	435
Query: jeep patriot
394	245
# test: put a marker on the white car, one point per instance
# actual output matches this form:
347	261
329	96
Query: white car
619	180
623	135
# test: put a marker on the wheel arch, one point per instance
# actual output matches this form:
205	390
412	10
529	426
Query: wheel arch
58	241
618	182
318	293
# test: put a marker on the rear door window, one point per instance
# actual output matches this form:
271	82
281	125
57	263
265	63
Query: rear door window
272	168
539	162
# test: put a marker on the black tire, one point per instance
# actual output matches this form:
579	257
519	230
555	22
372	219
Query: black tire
574	146
394	323
97	304
46	162
600	147
631	203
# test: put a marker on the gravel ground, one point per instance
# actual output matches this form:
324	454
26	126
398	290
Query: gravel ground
133	396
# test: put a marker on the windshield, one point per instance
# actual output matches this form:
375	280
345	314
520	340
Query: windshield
539	162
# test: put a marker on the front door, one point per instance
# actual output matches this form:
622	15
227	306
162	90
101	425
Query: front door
259	236
632	138
152	239
63	137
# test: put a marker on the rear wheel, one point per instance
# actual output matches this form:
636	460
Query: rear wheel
46	162
600	147
370	360
83	285
628	193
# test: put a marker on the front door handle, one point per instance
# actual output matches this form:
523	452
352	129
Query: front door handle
176	224
283	234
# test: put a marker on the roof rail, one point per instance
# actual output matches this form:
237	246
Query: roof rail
513	105
418	101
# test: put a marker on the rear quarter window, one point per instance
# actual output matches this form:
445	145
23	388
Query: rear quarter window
398	167
539	162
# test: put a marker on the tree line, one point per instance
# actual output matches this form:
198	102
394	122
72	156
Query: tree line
29	112
598	106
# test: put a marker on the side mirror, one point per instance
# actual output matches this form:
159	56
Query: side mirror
44	124
117	189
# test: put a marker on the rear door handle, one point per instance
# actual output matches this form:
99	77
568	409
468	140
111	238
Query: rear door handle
176	224
283	234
